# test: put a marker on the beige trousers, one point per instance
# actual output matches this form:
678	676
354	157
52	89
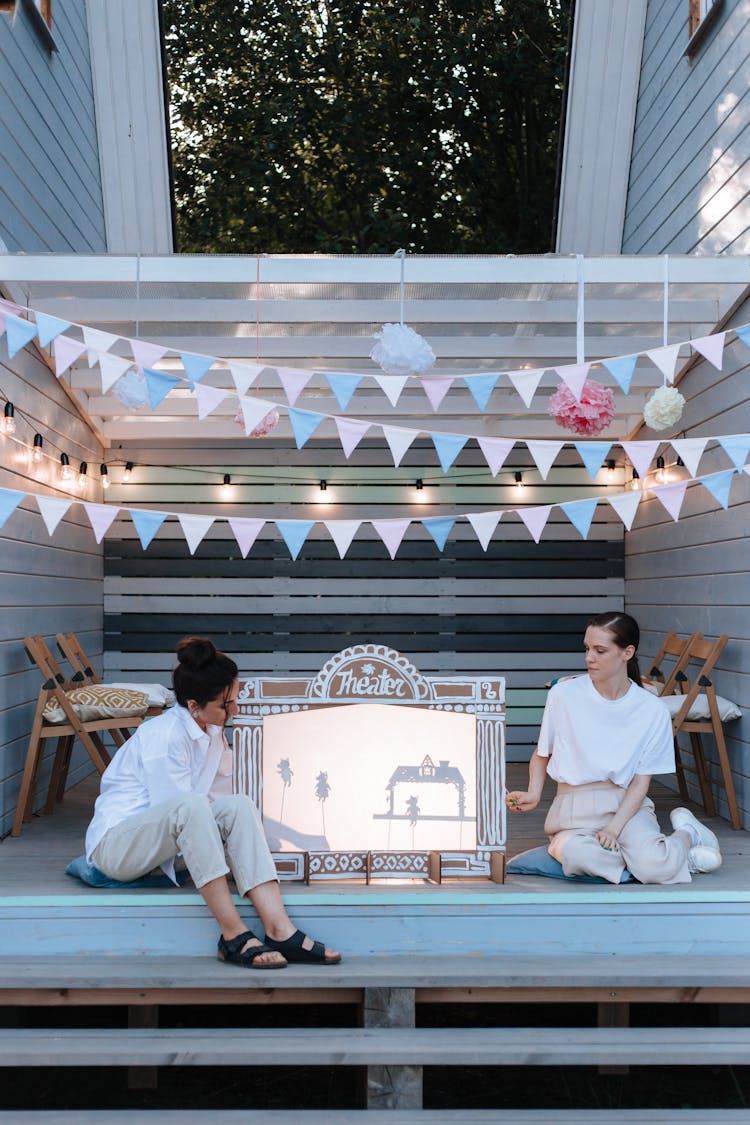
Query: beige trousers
210	835
579	811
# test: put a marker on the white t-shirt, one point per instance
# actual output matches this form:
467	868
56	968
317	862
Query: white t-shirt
589	738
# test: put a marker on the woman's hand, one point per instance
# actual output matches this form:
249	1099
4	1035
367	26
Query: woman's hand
520	801
608	840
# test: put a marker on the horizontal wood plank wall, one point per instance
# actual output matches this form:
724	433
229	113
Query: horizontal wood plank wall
50	182
518	609
693	575
47	584
689	188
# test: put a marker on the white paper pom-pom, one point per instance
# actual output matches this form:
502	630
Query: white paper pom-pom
402	351
131	390
664	408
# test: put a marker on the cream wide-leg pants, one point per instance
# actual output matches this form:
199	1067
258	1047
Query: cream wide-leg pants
579	811
213	836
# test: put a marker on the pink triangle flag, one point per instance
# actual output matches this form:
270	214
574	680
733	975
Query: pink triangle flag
399	441
626	505
691	451
98	341
294	382
526	383
495	451
641	454
254	411
671	496
101	518
208	398
245	531
53	508
574	376
484	524
436	390
544	453
67	351
391	532
146	354
342	532
711	348
195	528
391	386
666	360
244	375
351	431
535	519
111	367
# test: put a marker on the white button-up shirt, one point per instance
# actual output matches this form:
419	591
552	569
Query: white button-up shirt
166	756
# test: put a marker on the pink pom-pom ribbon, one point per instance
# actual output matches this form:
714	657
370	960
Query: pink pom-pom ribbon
590	416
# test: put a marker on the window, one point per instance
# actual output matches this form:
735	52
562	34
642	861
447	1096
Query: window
702	16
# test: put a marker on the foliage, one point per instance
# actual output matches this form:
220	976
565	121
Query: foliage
356	126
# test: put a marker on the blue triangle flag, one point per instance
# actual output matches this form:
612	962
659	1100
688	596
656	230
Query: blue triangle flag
343	386
19	333
49	327
592	453
9	501
294	533
448	447
736	447
621	369
304	424
481	387
146	524
439	528
195	366
719	484
158	385
744	334
581	513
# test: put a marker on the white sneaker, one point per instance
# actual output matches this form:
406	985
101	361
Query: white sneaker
704	856
702	859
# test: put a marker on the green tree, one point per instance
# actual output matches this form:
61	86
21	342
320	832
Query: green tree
354	126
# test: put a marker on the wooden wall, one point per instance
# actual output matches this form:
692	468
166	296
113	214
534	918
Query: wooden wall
692	575
518	609
47	584
688	187
50	183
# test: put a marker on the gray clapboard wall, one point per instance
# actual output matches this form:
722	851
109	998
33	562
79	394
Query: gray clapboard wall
50	182
47	584
518	609
689	186
693	575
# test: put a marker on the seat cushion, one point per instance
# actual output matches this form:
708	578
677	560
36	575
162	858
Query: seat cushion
699	710
99	701
158	695
80	868
538	861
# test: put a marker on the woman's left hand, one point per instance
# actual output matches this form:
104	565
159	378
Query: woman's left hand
608	840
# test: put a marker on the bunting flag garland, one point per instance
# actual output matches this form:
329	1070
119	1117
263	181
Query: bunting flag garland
626	505
18	333
294	533
736	447
711	348
495	452
111	367
448	447
254	410
146	522
244	375
391	532
146	354
581	513
350	433
481	388
436	389
593	453
101	518
342	532
391	386
208	398
49	327
304	424
9	501
245	531
67	351
535	519
641	454
621	369
719	484
439	528
399	440
158	385
195	366
544	454
293	382
484	524
666	360
691	451
526	383
98	342
671	497
195	528
343	387
574	376
52	509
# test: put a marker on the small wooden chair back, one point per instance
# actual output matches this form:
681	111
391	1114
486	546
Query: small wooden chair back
666	663
72	650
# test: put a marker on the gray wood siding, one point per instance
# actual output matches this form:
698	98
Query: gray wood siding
47	584
519	609
692	575
50	183
689	188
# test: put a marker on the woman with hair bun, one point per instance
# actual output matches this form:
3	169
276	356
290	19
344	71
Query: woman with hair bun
603	736
168	791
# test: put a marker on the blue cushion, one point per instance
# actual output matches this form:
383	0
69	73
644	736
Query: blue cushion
538	861
81	869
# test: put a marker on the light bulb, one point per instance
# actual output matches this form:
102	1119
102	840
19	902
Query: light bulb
660	475
104	475
9	420
635	483
65	470
611	470
419	485
226	484
518	477
38	443
128	471
82	474
323	485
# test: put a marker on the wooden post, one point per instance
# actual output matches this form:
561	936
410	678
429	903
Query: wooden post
140	1016
391	1087
612	1014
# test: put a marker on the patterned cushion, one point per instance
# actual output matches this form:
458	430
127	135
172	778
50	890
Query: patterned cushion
99	701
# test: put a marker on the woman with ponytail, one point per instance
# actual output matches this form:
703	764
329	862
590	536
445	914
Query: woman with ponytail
603	736
168	792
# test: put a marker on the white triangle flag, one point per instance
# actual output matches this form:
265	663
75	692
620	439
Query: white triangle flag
351	431
342	532
101	518
97	341
495	451
535	519
391	386
53	508
244	375
641	454
399	441
391	532
484	524
526	383
293	381
666	360
246	531
208	398
194	528
711	348
436	389
574	376
254	411
672	496
544	453
691	451
626	505
111	367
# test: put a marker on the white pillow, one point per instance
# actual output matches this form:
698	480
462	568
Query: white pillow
158	695
699	710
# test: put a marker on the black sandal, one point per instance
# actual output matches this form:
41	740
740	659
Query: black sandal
293	950
233	952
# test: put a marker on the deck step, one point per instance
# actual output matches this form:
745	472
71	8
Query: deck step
588	1046
379	1117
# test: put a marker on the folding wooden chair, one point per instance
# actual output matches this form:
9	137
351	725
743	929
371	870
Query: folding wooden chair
672	649
66	733
83	673
691	677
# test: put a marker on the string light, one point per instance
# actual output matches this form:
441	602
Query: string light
660	474
323	485
635	482
9	419
82	470
128	471
226	484
65	470
419	484
104	475
611	469
518	477
38	443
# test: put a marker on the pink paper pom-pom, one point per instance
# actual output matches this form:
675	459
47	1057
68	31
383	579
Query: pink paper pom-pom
591	415
264	427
